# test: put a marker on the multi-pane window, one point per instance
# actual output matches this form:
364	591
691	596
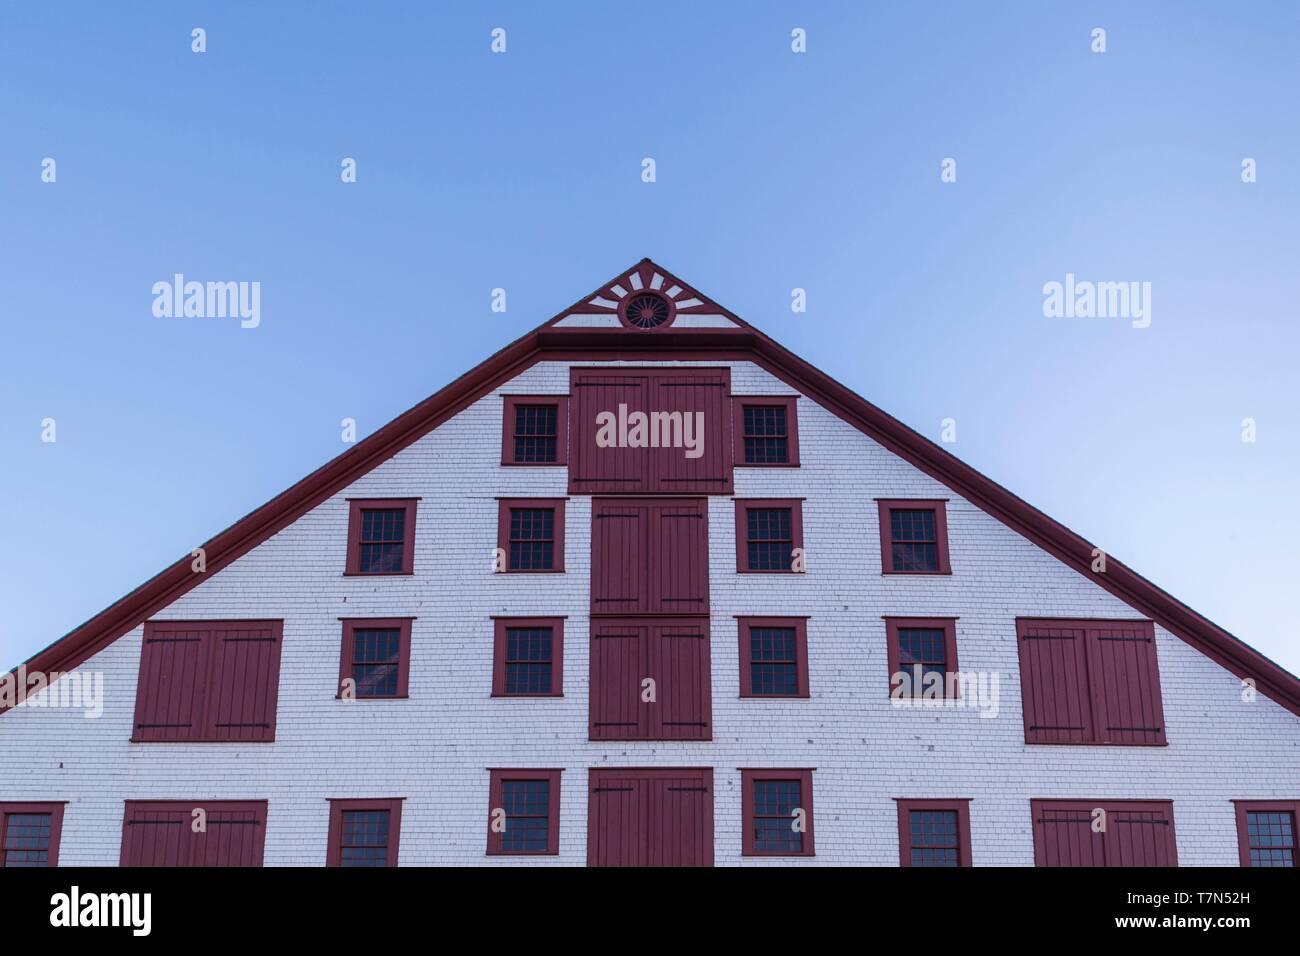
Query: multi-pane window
524	812
769	535
777	811
530	534
29	834
27	839
528	657
375	658
381	536
528	660
934	832
921	652
773	656
914	537
535	430
537	434
765	435
1266	832
364	832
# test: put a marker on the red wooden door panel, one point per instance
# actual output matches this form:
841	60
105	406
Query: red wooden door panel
1128	705
245	683
236	834
156	834
700	401
1054	684
619	556
618	666
171	691
649	556
163	833
679	663
650	817
679	557
1103	833
596	468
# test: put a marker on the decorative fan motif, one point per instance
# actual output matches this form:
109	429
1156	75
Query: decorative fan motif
646	311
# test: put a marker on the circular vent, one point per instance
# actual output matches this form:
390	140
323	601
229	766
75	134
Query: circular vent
647	311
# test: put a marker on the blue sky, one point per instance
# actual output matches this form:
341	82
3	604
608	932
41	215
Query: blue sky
775	170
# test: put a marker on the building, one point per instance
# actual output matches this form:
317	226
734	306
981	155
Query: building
646	588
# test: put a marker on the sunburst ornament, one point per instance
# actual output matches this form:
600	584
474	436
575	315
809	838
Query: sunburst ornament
646	310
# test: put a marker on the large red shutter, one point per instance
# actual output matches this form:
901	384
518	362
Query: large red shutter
245	682
616	820
617	669
171	691
162	833
703	392
619	556
1117	833
592	468
1054	687
641	817
679	557
622	469
681	815
679	662
1129	708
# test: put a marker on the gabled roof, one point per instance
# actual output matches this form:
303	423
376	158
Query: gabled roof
735	340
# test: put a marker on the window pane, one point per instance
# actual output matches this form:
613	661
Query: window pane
773	656
527	807
365	838
382	537
27	839
770	539
528	660
914	542
375	659
934	838
774	804
532	539
765	435
1271	838
536	438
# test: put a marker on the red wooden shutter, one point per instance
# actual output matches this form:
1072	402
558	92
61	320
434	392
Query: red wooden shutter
245	682
679	557
616	819
681	818
1141	835
1064	835
1054	686
156	834
619	556
618	666
171	691
679	663
612	469
695	393
1129	708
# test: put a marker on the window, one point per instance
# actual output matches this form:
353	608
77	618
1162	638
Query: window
769	535
381	536
530	534
528	657
773	656
524	812
922	652
208	681
1104	833
1090	682
914	537
376	658
934	832
1266	832
364	832
29	834
777	811
535	430
167	833
767	430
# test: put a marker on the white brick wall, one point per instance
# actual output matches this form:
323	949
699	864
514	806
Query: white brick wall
434	748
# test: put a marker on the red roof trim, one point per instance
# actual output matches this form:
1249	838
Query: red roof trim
739	344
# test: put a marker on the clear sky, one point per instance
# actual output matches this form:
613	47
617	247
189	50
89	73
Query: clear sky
775	170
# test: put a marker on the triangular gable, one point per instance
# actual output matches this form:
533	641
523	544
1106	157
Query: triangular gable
737	340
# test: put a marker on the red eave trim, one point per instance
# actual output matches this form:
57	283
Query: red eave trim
743	343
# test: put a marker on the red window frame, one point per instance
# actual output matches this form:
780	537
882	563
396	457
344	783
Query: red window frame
207	712
355	507
893	649
743	507
748	777
510	403
334	851
348	645
506	505
55	811
960	806
791	405
940	508
1245	807
496	799
744	626
501	647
